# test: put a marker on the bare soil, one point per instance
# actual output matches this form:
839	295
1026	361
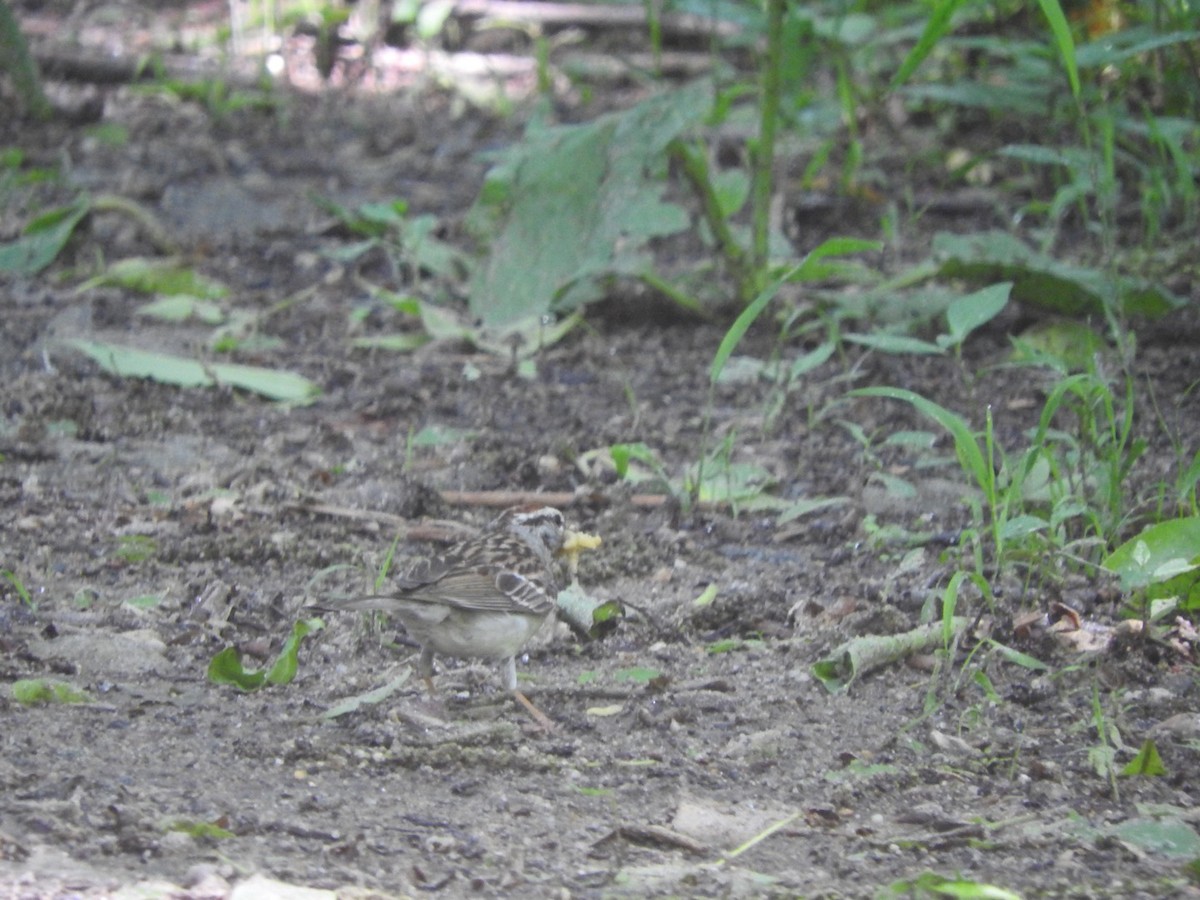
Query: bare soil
116	490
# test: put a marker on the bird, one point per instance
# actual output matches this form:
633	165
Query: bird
481	598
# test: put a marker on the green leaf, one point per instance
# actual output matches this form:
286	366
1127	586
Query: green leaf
1016	657
158	276
931	885
968	450
129	362
806	362
966	314
18	586
226	666
1146	763
199	830
732	187
1159	553
144	601
402	342
1061	30
370	698
1061	344
40	691
1169	837
1020	99
42	240
1117	46
284	668
572	204
886	342
437	435
637	674
936	28
180	308
1042	281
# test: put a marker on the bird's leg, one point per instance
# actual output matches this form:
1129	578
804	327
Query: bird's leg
425	668
510	682
540	717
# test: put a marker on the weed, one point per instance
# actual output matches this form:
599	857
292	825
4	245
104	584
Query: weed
19	586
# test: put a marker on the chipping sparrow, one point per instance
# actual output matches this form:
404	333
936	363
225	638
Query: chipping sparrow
483	597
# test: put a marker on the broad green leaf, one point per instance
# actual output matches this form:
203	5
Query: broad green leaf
1043	281
732	187
1146	763
144	601
1160	552
794	509
722	481
572	204
806	362
1022	526
1064	345
199	830
42	240
1169	837
966	314
624	454
930	885
226	667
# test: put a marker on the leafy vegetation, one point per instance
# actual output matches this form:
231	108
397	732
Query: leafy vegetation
226	667
1082	136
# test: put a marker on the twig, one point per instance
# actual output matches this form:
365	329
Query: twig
561	499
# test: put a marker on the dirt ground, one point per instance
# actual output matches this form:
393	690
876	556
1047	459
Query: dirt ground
154	526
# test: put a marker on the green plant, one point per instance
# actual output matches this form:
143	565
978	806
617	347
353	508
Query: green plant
408	243
1029	499
1159	569
15	59
19	586
226	666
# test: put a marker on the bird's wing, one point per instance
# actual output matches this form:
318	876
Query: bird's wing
487	588
482	588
